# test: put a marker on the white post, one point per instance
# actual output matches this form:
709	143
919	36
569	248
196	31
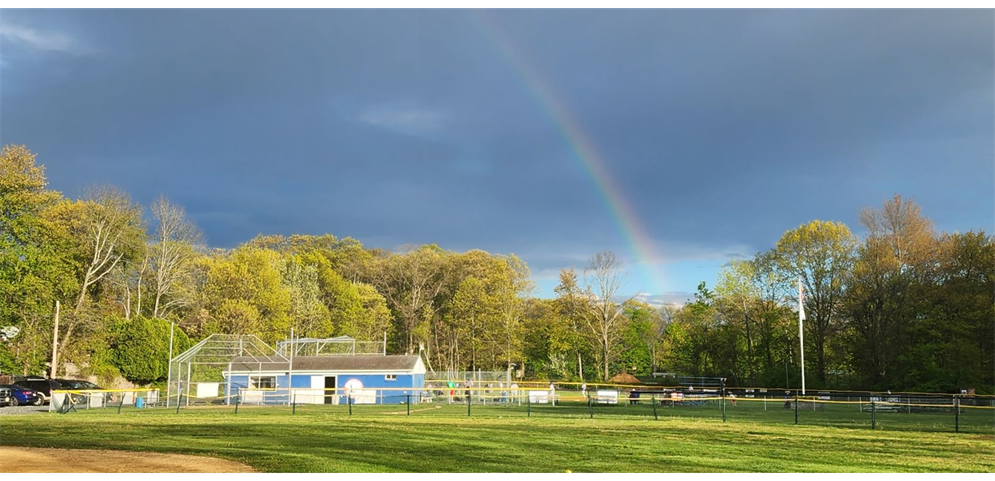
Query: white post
385	343
55	343
169	365
188	385
290	372
801	332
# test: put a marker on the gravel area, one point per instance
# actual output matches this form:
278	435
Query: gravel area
23	409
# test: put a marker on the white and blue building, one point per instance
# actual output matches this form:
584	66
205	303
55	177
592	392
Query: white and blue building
325	379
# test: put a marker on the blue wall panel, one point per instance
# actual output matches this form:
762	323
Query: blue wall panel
400	388
301	380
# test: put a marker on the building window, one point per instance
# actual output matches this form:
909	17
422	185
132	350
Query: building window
263	382
390	377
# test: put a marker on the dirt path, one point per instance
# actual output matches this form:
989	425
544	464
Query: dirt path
47	460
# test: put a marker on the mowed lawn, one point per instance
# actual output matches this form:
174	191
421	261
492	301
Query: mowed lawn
446	440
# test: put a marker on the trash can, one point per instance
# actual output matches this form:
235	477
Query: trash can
140	402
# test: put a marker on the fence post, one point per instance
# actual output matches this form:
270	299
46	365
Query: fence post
796	407
956	415
349	402
590	408
653	400
179	397
293	402
238	400
468	396
722	384
528	407
409	403
874	412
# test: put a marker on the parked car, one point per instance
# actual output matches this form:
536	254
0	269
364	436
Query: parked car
5	396
77	385
41	385
22	395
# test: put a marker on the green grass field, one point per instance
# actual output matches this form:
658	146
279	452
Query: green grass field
845	415
619	438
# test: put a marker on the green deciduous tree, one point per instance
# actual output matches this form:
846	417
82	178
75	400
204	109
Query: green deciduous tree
107	229
572	307
641	338
245	294
141	348
411	283
821	254
35	265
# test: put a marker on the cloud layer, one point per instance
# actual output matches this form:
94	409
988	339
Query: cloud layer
722	128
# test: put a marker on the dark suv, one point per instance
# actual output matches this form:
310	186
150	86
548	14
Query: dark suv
42	385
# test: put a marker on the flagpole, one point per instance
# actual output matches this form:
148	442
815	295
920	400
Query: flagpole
801	332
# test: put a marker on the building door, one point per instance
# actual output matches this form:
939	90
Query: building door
329	389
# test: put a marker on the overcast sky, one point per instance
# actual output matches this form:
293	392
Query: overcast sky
720	130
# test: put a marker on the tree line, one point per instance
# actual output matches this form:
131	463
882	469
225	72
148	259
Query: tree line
903	308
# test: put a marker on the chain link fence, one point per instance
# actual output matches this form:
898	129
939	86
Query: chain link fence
66	401
908	411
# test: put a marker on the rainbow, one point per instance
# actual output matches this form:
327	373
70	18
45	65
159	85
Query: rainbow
584	152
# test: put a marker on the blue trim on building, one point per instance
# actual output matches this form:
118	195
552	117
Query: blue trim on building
371	382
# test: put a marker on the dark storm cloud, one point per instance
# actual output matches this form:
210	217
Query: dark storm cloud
723	128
